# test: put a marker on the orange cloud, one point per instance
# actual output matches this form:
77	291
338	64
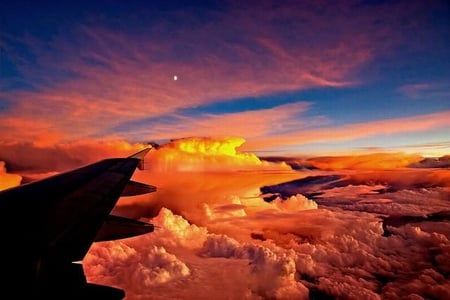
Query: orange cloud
207	154
35	158
372	161
29	129
113	77
8	180
406	178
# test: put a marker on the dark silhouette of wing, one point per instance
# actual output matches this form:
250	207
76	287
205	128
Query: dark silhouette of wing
48	225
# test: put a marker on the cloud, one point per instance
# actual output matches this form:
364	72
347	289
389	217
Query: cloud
414	90
206	154
425	90
217	237
248	124
30	158
286	125
273	274
8	180
385	127
350	261
170	168
298	249
367	161
137	270
91	79
441	162
294	203
109	88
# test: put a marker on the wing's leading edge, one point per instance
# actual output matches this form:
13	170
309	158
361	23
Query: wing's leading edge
49	224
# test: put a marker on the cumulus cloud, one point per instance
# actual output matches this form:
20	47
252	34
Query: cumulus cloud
217	237
333	246
273	274
206	154
294	203
140	264
352	260
28	158
184	155
136	269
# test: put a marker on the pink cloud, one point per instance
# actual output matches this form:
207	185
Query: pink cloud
385	127
244	124
414	90
285	125
425	90
112	77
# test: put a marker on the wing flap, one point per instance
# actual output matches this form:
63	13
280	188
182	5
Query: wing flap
116	227
134	188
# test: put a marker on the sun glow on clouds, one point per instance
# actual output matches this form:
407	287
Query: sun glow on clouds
8	180
114	77
218	238
206	154
367	161
380	128
100	94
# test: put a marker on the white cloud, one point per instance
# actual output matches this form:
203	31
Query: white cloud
294	203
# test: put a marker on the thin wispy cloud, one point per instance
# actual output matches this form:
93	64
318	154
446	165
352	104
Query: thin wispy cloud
426	90
93	77
348	132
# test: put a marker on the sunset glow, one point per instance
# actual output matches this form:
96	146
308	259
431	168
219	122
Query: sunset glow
300	149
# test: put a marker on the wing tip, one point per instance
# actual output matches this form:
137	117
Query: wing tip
141	154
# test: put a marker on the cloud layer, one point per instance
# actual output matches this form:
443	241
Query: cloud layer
225	241
111	77
217	236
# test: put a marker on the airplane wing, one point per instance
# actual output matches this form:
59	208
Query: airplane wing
48	225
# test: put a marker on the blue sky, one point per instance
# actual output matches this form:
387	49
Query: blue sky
289	77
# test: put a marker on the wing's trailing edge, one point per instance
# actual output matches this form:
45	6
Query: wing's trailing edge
60	217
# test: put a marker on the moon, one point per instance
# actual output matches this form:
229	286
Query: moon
175	77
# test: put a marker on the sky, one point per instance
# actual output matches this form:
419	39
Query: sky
289	77
297	140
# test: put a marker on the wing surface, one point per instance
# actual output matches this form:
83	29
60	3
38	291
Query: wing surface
51	223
